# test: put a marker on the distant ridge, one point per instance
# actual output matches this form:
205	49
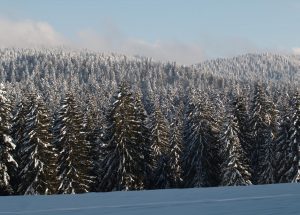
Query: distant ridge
266	66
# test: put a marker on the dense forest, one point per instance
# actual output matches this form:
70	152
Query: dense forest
79	121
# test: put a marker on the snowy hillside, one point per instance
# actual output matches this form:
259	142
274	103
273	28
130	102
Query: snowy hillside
267	66
268	199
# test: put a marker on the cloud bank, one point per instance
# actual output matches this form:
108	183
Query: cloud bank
296	51
185	53
28	33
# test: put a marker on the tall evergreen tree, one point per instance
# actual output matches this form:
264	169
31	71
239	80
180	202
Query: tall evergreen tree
285	153
244	134
176	149
160	149
201	161
123	166
91	128
287	145
263	125
74	160
295	132
37	172
294	138
18	130
233	168
144	138
8	164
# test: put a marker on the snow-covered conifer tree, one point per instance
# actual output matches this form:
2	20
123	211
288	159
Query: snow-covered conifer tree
18	122
285	154
234	171
37	168
144	138
200	159
160	149
8	164
17	132
176	149
74	160
244	134
295	131
263	125
123	166
93	129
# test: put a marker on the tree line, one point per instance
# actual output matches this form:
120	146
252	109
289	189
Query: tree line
205	138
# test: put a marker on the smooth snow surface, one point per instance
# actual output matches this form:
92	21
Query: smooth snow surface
268	199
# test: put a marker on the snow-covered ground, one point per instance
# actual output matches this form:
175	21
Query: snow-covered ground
268	199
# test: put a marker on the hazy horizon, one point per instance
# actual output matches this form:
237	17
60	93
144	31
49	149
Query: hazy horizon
183	31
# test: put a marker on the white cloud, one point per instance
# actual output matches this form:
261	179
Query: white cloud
28	34
115	41
31	33
296	51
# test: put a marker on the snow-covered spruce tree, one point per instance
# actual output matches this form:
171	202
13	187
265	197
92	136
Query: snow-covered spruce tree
233	169
74	160
123	166
93	129
283	151
286	153
295	131
144	137
17	131
160	149
18	124
96	137
244	132
37	168
176	147
263	125
8	165
201	164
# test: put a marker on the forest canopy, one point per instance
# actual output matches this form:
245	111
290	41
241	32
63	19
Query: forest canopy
78	121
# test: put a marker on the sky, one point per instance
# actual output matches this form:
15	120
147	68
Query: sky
186	31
